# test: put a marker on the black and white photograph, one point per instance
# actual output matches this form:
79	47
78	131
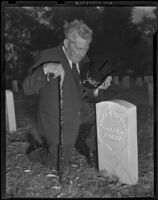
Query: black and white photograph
79	108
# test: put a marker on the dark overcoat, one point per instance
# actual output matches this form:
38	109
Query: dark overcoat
48	108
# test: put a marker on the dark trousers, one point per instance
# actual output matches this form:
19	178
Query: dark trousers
87	132
47	152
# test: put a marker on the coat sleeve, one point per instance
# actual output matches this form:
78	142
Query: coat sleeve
88	95
36	78
34	81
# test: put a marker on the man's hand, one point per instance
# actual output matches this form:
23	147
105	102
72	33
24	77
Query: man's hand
106	83
103	86
54	68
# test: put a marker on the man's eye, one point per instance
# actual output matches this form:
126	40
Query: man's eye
80	49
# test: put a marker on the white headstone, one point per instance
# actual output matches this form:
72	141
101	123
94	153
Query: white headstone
139	81
150	93
116	80
15	86
146	79
10	112
126	82
117	139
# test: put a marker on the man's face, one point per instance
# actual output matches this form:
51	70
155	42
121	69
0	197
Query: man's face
76	50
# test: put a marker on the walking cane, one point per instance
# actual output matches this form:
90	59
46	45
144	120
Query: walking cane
61	126
61	131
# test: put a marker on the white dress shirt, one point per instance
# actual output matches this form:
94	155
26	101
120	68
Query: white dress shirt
70	62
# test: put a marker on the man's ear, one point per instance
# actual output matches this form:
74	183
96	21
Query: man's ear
66	43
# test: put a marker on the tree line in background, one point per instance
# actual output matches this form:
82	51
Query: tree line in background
28	30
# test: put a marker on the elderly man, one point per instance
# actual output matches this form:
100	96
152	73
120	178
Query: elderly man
66	61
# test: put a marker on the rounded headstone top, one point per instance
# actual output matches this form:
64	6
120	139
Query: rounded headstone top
8	92
119	102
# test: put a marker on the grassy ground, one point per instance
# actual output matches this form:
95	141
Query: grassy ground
27	179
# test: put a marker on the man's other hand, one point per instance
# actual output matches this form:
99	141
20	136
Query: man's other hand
106	83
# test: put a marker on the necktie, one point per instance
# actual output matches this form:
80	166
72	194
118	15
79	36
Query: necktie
77	80
75	74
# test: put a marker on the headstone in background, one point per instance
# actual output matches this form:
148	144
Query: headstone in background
117	139
10	112
146	79
151	78
150	93
116	80
139	81
15	85
126	82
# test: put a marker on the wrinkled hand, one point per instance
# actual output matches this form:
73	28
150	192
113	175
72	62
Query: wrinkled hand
54	68
106	83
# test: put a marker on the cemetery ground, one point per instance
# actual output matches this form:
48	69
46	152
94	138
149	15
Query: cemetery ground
27	179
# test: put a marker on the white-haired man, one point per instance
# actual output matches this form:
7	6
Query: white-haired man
60	61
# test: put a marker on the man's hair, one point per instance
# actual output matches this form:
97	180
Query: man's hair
77	26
